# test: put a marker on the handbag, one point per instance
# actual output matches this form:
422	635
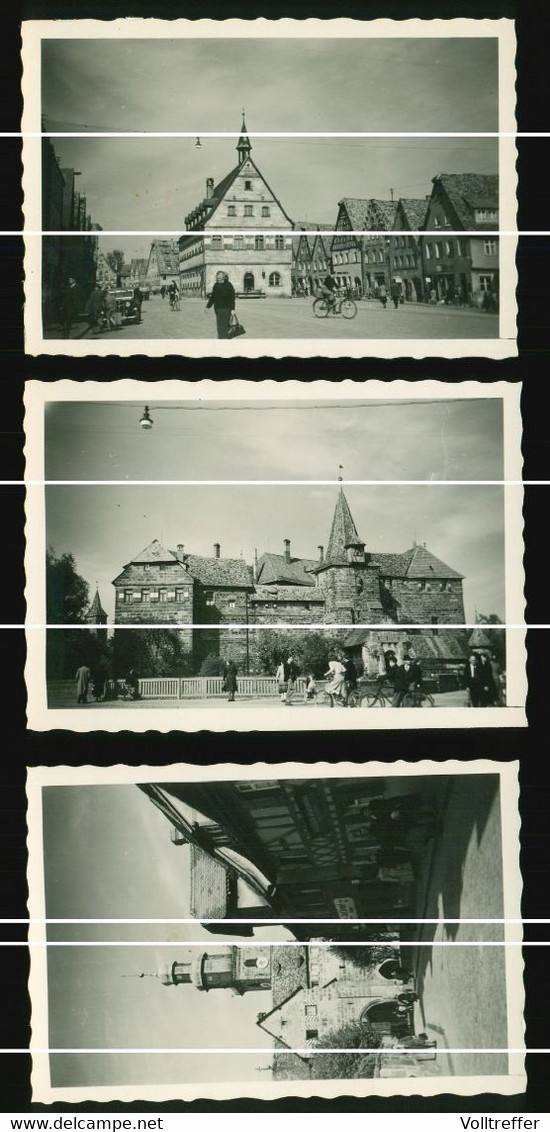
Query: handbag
235	327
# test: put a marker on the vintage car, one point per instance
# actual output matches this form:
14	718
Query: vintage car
122	306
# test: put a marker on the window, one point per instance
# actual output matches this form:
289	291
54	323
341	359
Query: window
259	243
127	595
163	595
437	223
209	597
248	211
311	1035
490	247
380	256
217	242
484	214
231	603
266	211
279	243
311	1011
145	595
238	241
248	186
428	251
463	247
449	248
231	210
181	595
434	622
438	248
485	282
154	595
274	279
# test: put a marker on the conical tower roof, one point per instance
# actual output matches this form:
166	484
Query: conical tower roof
96	613
343	534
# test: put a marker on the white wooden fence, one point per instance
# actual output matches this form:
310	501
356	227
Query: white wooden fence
207	687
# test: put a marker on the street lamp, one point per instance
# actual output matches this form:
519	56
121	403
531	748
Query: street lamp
198	144
145	420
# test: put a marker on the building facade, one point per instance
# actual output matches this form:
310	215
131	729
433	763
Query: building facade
362	261
348	585
463	268
336	848
327	991
405	251
257	264
311	258
64	209
163	265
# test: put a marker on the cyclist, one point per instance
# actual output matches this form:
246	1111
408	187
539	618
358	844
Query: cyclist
329	289
173	293
351	675
337	679
402	681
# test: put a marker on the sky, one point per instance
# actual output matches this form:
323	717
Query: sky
108	853
105	526
312	85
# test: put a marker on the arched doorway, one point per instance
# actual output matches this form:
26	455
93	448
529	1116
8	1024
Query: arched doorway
248	281
380	1017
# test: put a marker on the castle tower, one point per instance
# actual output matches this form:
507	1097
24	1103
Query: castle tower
349	581
239	969
244	144
96	614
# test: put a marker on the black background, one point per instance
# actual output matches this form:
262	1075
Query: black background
530	746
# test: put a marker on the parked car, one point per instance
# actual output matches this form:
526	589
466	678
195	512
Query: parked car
122	305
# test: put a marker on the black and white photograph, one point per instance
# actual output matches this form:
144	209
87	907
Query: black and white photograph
176	904
315	187
274	556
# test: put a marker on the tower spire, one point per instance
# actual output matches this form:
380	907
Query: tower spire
243	146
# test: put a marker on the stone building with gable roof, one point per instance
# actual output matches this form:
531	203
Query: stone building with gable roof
346	586
257	264
466	267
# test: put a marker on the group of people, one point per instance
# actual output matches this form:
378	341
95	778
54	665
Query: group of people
102	687
484	679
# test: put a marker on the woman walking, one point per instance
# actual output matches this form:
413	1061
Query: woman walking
223	301
231	681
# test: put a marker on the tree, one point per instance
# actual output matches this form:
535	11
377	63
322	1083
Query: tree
115	259
67	593
152	652
345	1065
311	651
67	599
496	636
363	955
212	665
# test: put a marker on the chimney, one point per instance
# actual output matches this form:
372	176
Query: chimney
287	549
179	550
209	187
216	550
321	550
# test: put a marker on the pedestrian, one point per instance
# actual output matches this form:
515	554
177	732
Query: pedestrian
137	300
280	678
433	295
132	684
94	307
402	681
383	295
395	292
222	299
162	291
487	686
292	672
350	674
472	680
100	681
310	691
231	681
70	301
83	677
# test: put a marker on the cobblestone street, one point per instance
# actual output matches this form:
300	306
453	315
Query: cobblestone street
294	318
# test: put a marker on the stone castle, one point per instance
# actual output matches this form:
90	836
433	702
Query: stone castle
345	585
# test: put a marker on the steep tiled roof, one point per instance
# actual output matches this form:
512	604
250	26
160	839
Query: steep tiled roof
275	568
208	886
478	639
414	212
424	564
288	593
165	253
343	533
468	191
219	571
391	565
356	208
450	645
386	210
155	552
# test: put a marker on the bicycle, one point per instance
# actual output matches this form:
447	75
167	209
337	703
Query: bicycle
384	697
336	699
174	303
345	306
